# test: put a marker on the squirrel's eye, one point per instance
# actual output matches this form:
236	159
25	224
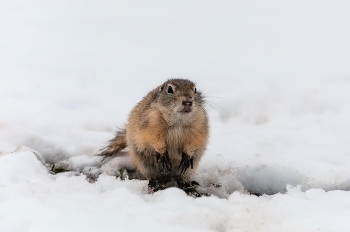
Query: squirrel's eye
195	90
170	89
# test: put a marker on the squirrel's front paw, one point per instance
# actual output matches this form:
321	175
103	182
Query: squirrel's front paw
186	162
164	161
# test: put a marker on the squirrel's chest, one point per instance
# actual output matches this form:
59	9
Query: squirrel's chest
176	138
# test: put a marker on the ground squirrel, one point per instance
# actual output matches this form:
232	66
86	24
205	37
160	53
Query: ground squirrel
166	133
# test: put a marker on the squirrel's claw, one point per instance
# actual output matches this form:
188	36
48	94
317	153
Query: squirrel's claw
186	162
165	161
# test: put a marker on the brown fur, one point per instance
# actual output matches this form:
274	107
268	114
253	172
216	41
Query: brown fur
115	145
158	125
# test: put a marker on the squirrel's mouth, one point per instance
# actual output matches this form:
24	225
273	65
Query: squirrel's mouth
186	109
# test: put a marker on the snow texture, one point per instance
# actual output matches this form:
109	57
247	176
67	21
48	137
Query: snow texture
276	75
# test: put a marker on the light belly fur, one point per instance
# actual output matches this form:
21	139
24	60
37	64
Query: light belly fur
175	142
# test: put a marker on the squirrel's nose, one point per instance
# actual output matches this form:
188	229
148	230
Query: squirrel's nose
187	103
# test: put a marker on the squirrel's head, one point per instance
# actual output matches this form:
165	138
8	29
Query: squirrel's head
180	96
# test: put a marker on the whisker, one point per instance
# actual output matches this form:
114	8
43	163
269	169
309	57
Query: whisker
197	80
214	105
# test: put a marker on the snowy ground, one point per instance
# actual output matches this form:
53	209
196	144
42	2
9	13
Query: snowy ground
277	77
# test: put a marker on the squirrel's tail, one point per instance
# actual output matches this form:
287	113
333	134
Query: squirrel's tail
115	145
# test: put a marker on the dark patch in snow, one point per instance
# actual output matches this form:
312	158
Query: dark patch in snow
58	169
269	180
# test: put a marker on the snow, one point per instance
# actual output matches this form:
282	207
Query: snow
277	81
